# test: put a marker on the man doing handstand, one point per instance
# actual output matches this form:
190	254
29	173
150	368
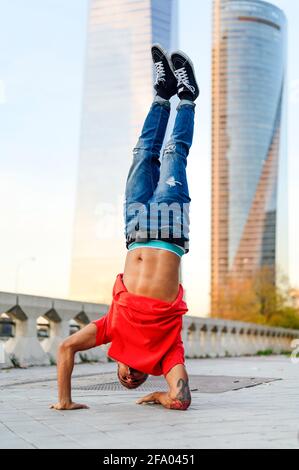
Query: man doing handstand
144	321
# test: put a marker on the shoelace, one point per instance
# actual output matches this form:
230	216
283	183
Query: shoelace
160	72
183	79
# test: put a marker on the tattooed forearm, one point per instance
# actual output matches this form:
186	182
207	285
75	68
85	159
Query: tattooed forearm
183	397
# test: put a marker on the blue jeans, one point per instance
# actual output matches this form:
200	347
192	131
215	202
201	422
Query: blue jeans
157	196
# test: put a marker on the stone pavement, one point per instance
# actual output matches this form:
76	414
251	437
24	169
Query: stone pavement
265	416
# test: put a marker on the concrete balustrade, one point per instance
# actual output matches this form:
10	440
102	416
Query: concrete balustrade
25	349
211	337
203	337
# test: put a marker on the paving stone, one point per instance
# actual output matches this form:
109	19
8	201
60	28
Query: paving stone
59	442
266	416
15	444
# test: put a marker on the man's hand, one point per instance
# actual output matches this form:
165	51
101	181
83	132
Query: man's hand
156	397
69	406
178	397
165	399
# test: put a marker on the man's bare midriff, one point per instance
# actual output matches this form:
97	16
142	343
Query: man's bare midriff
152	273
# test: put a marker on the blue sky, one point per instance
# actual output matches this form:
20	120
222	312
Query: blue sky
42	46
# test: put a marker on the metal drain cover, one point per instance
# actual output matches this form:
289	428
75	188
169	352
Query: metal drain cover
198	383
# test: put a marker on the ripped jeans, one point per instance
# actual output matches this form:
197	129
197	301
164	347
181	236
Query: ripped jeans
157	196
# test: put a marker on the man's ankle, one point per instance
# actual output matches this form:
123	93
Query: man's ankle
159	99
184	102
163	94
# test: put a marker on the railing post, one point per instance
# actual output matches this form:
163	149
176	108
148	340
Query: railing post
193	339
24	349
64	312
58	331
247	337
94	312
228	340
208	345
5	362
220	352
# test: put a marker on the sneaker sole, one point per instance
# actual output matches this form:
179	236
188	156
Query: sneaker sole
183	54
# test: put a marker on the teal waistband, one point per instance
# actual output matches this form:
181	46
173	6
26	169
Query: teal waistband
159	244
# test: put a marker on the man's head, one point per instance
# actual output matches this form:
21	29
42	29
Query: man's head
129	377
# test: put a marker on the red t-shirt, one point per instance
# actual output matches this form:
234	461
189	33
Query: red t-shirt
145	333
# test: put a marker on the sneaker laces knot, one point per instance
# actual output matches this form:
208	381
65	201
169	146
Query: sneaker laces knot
160	72
183	79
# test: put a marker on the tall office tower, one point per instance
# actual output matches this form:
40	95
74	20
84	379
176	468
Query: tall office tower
118	91
249	161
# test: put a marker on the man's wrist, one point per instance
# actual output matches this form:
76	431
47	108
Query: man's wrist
180	404
65	402
180	401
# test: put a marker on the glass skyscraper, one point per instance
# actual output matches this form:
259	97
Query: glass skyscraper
249	158
118	91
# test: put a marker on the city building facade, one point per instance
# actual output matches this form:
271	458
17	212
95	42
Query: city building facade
118	89
249	156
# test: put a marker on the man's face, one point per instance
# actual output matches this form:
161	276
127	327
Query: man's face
130	378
